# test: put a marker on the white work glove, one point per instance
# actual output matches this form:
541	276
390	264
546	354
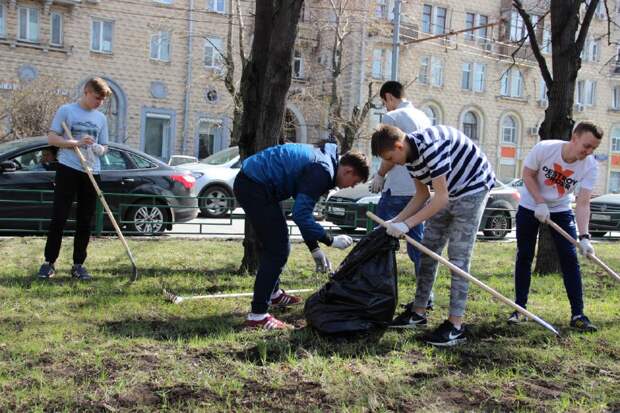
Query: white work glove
397	229
585	247
98	150
321	261
342	242
541	212
377	184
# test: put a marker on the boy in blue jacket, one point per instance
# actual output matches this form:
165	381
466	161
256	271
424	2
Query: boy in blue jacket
303	172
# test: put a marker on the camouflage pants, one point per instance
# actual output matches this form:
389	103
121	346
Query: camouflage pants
457	225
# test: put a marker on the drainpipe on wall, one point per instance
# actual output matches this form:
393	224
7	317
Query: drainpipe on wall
361	99
188	78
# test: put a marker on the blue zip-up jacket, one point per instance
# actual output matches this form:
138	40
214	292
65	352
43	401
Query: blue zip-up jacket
301	171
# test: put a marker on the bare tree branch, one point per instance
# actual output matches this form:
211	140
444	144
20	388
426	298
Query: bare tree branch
542	62
585	25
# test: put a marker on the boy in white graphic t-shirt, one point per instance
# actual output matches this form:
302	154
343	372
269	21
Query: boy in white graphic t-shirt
551	172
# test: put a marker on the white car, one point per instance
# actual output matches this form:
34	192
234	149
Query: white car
215	176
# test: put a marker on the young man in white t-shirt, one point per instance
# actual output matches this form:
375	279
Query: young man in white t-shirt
394	181
551	172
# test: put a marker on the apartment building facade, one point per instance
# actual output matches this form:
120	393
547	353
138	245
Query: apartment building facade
163	61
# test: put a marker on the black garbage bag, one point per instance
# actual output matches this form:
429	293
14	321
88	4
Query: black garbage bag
363	293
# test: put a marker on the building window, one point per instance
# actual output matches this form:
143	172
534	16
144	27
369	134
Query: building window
509	130
157	135
517	28
615	139
473	77
546	37
298	65
423	74
483	32
207	132
434	19
213	56
512	83
217	6
28	24
470	125
466	79
615	98
436	72
160	46
591	50
470	22
56	29
614	182
2	20
381	9
479	77
101	36
432	113
427	16
381	63
586	92
542	97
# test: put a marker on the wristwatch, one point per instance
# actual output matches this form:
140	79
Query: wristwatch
586	235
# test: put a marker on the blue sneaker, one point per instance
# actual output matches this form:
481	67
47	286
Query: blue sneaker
46	271
582	323
79	271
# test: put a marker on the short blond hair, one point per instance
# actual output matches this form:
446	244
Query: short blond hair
99	86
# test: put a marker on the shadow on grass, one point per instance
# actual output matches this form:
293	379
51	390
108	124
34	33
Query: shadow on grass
172	328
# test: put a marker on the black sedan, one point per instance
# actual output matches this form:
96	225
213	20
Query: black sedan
347	209
146	195
604	214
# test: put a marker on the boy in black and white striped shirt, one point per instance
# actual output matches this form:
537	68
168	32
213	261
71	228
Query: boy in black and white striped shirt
460	174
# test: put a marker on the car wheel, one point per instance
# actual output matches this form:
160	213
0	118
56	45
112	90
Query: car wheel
145	219
598	234
215	202
498	225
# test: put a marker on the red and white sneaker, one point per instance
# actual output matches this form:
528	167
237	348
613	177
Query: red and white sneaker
267	323
284	300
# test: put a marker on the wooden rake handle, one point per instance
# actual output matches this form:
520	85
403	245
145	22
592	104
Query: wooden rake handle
468	276
590	256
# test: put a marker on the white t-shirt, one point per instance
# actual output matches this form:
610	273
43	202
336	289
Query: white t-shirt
408	119
557	178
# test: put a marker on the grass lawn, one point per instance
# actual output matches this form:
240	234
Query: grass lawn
110	346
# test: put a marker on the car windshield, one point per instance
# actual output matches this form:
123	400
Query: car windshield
9	146
221	157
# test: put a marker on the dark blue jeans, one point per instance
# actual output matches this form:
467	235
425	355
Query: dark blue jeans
527	233
389	206
269	223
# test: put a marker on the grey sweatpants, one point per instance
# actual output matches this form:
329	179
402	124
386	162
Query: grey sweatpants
457	224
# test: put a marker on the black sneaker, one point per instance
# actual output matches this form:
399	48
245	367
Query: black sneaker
46	271
516	318
582	323
79	271
447	335
429	305
409	319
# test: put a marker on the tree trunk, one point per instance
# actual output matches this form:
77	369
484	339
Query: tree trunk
558	122
265	83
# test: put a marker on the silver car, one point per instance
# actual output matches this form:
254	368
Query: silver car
215	176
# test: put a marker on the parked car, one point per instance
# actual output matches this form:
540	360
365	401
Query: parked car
215	185
347	209
124	171
604	214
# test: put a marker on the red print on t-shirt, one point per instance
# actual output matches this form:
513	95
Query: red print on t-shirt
559	177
